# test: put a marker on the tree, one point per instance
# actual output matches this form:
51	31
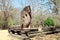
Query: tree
5	6
55	6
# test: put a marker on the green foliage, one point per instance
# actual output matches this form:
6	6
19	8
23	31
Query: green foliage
49	22
1	22
10	22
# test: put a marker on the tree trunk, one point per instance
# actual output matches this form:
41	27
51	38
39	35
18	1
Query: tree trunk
55	7
5	26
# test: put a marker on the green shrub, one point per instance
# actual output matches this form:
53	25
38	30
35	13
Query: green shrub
10	22
1	22
49	22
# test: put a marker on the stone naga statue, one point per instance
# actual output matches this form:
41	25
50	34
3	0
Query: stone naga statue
26	17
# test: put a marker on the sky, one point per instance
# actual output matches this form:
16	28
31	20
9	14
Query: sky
22	3
19	3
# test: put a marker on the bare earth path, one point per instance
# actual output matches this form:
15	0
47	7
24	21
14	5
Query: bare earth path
4	35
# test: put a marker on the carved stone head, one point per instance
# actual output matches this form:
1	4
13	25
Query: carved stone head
27	9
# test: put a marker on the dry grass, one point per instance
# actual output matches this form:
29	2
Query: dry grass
48	37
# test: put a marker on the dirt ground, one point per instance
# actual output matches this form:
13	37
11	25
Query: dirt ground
4	35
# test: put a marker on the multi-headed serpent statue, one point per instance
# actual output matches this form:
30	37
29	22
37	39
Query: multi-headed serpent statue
26	21
26	17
